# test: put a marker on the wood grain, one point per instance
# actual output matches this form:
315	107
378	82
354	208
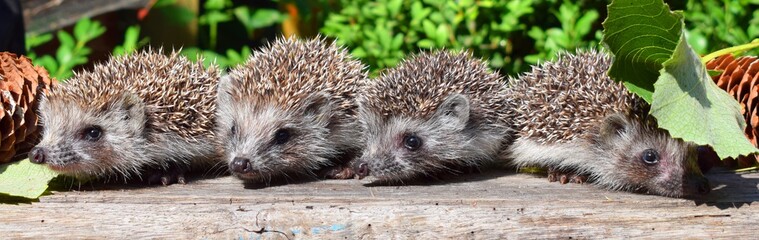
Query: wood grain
42	16
491	205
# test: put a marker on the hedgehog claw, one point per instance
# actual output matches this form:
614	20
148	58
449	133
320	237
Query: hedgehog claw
565	177
339	172
171	178
167	176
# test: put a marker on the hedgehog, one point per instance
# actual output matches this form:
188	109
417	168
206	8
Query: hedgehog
290	111
143	116
435	113
572	118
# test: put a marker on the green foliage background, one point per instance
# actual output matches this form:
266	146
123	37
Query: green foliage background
511	34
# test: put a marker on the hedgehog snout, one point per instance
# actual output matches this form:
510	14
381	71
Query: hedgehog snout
360	167
240	165
38	155
362	170
698	184
703	186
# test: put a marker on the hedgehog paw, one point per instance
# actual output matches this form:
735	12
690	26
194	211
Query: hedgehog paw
167	176
564	177
339	172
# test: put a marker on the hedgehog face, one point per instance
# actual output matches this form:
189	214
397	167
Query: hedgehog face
265	140
400	148
84	141
650	160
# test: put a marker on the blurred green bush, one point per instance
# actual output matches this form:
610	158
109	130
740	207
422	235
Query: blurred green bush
713	25
506	32
510	34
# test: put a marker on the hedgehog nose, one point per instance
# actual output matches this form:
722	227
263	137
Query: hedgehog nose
38	155
240	165
363	170
703	186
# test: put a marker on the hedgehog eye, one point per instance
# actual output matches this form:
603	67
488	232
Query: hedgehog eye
281	136
92	133
233	129
650	156
412	142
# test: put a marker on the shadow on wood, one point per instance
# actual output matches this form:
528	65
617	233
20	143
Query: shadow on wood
453	176
731	190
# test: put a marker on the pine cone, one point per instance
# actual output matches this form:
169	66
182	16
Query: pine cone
20	86
740	79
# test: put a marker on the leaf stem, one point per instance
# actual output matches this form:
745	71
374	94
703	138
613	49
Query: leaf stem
748	169
739	48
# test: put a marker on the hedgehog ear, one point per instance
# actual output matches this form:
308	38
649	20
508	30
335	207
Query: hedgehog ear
454	109
318	107
222	91
225	82
133	106
614	126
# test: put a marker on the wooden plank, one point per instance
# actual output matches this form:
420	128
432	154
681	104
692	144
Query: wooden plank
480	206
47	15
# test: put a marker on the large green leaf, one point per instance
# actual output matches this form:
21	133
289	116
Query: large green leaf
688	104
24	179
642	35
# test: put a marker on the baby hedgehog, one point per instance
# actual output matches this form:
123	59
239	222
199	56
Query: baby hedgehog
290	109
574	119
434	113
145	114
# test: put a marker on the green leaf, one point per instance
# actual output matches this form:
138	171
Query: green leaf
429	29
397	41
66	40
267	17
25	179
425	43
214	17
642	35
690	106
233	56
558	36
394	6
383	37
697	40
714	73
418	14
49	63
217	4
81	28
441	35
131	41
36	40
86	30
584	24
259	19
485	4
359	52
64	55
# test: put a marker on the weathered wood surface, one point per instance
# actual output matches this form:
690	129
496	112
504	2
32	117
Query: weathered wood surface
46	15
480	206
